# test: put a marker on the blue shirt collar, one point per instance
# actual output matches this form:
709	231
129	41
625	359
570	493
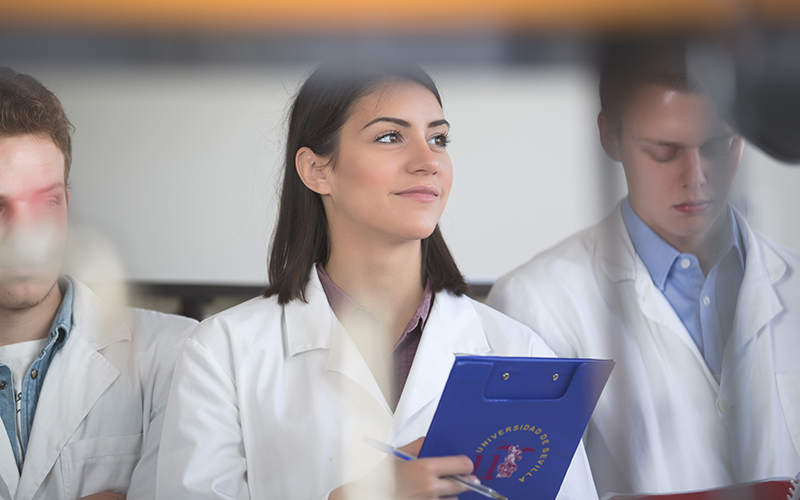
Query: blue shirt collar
62	323
658	255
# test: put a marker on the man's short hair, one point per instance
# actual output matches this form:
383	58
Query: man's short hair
626	66
27	107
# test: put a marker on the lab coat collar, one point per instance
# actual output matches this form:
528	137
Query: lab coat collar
78	376
8	467
312	325
309	324
615	253
618	259
453	327
101	323
758	302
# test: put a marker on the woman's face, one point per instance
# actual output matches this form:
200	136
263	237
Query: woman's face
392	175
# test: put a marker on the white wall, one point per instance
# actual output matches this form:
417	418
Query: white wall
179	166
771	194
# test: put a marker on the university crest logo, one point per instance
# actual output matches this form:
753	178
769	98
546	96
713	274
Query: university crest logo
511	453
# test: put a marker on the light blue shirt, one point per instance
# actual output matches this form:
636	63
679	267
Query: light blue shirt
34	378
705	304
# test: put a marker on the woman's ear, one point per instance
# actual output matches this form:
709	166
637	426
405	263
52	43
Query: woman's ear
313	170
609	136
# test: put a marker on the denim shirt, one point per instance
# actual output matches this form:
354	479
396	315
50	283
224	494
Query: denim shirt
705	304
34	378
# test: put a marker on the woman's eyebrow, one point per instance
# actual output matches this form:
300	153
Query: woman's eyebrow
405	124
396	121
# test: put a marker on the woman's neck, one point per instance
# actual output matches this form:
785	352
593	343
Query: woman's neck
386	279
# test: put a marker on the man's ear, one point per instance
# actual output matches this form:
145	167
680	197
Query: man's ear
313	170
609	136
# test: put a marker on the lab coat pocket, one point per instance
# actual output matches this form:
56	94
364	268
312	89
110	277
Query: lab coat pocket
101	464
789	394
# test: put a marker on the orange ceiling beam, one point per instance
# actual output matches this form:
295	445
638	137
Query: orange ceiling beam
376	15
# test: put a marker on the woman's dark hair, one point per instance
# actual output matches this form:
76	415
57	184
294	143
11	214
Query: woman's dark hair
301	237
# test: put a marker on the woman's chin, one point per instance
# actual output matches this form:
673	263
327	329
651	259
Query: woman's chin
417	232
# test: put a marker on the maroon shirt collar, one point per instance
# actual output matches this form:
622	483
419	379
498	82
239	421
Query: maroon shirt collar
343	306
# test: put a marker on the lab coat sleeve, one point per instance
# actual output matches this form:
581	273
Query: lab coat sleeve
202	449
512	296
159	371
578	483
143	484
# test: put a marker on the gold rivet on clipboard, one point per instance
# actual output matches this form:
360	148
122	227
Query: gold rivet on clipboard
555	377
506	376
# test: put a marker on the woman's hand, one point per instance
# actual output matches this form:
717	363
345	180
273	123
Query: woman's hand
425	477
420	479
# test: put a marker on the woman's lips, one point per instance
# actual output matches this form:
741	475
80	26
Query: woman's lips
693	207
420	193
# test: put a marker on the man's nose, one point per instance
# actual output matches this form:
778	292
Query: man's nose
693	174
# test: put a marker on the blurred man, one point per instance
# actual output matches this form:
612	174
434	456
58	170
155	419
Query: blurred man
701	313
83	387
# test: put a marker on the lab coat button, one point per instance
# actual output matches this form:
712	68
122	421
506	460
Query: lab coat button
3	385
685	263
706	300
724	406
34	373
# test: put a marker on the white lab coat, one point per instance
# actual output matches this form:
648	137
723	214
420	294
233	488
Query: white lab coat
268	401
663	422
98	421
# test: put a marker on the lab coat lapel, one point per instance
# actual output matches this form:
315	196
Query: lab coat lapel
656	308
313	325
345	358
758	303
87	372
8	467
619	262
453	327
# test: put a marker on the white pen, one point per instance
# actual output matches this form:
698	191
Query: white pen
477	488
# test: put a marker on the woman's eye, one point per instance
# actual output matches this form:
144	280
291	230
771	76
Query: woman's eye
439	140
390	138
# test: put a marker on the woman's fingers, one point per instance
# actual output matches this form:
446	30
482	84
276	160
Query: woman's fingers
413	447
426	478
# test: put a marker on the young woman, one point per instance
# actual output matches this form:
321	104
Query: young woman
357	331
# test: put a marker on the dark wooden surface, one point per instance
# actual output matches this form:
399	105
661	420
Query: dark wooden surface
196	296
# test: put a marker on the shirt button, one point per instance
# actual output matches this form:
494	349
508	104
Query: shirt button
685	263
34	373
3	385
706	300
724	406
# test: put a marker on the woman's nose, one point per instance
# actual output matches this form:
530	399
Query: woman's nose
423	159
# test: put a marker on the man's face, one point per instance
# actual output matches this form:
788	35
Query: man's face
33	219
680	161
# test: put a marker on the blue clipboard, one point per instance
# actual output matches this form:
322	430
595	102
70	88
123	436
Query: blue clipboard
520	420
